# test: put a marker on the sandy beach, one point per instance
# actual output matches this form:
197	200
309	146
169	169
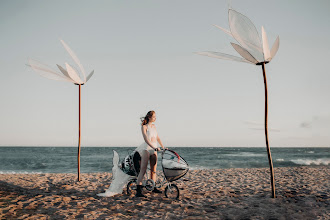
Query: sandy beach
302	193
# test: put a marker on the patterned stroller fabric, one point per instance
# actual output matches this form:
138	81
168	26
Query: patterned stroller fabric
131	164
174	166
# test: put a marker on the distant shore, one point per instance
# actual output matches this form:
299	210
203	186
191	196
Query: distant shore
302	193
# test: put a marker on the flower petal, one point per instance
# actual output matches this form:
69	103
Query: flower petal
224	30
73	74
75	58
244	53
246	34
223	56
46	71
63	71
265	45
275	47
90	75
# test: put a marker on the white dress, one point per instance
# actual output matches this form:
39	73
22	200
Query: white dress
152	138
119	178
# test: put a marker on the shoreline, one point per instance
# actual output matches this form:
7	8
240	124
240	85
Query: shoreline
232	193
191	169
178	146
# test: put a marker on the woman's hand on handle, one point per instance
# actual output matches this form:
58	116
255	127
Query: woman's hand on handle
162	149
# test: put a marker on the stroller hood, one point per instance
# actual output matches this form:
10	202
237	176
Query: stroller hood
174	166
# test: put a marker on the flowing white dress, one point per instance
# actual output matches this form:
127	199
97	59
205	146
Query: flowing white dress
119	178
152	137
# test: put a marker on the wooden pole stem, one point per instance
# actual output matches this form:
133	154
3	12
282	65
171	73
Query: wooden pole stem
79	134
266	134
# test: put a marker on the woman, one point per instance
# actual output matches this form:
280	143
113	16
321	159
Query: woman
148	151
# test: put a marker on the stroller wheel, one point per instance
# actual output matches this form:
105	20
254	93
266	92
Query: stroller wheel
150	184
172	191
131	187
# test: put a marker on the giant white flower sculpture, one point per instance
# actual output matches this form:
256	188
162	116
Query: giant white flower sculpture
70	74
250	47
254	51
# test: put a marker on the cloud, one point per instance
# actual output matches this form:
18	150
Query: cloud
316	121
259	126
306	124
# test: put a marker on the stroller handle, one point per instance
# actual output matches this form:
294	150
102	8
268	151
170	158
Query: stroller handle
161	150
166	149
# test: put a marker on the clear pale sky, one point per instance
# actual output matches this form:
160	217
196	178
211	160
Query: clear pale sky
143	56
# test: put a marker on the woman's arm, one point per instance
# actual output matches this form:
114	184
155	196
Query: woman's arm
144	134
160	142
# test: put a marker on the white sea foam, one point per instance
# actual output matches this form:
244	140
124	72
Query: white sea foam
322	161
280	159
310	152
246	154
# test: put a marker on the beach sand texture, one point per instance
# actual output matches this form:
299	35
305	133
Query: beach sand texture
302	193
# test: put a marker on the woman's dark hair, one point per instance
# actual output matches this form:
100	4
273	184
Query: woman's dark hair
145	120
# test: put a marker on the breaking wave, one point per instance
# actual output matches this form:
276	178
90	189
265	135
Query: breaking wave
323	161
247	154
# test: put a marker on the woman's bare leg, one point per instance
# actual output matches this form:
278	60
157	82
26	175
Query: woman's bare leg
143	167
153	166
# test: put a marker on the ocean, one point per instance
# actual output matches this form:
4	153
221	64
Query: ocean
99	159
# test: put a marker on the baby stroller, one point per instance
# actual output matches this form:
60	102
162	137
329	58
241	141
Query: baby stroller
174	167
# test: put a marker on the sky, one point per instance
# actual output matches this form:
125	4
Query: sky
144	57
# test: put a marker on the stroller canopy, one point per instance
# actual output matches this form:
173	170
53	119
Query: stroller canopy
174	166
